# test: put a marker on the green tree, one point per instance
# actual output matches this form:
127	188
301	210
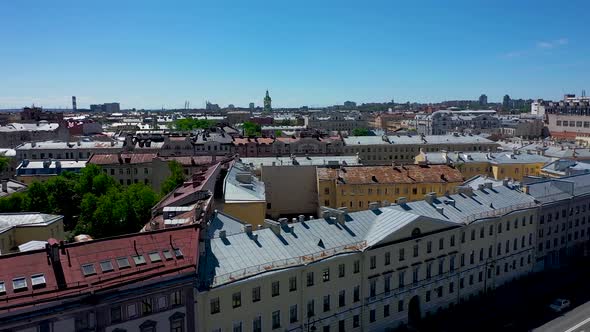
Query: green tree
38	198
191	124
175	179
361	132
4	161
251	129
278	133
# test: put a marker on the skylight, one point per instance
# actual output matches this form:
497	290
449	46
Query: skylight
2	288
38	280
178	253
106	266
123	262
19	284
138	260
167	254
155	257
88	269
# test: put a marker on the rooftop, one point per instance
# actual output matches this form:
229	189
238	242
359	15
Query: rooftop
26	219
257	162
282	245
417	140
241	185
485	157
390	174
56	145
39	126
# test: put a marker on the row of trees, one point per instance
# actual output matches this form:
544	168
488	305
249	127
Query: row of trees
91	202
191	124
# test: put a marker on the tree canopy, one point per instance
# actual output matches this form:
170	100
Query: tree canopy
251	128
361	132
191	124
91	202
175	179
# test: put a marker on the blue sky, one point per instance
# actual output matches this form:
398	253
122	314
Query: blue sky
149	54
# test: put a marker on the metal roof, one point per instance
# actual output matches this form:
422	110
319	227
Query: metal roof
241	186
25	219
301	160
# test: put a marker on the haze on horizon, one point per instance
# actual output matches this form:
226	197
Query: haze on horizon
150	54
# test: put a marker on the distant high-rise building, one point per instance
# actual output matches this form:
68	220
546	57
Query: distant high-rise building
483	100
211	107
252	106
74	107
267	103
106	107
506	101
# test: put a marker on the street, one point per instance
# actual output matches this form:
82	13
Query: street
575	320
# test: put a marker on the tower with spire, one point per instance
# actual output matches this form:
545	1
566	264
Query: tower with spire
267	103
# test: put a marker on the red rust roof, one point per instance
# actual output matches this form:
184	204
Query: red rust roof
257	140
390	174
73	256
123	158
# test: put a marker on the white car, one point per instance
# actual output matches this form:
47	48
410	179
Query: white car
559	305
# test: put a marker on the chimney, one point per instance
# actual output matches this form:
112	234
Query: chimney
480	186
33	144
248	229
301	218
465	190
430	197
274	226
222	234
488	185
283	221
505	182
440	210
402	200
5	186
450	202
373	205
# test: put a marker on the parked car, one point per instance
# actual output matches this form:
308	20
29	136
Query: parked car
560	305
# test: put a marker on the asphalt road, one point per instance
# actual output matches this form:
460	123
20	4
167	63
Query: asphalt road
574	320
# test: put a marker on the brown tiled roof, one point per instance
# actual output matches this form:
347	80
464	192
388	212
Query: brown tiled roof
257	140
391	174
123	158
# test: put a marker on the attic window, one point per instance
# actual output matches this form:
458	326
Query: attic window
88	269
138	259
155	257
167	254
106	266
416	232
122	262
2	288
19	284
178	253
38	280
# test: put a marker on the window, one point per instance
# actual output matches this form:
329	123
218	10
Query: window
309	279
275	288
356	321
146	306
293	314
176	298
178	253
38	280
138	259
154	257
161	302
373	262
415	274
276	319
237	327
400	305
372	316
256	294
292	284
416	250
88	269
236	300
326	275
2	288
310	308
386	310
356	266
387	258
115	314
428	247
341	270
387	283
106	266
372	287
215	305
429	271
472	234
452	240
401	275
326	303
356	294
167	254
131	310
441	244
257	324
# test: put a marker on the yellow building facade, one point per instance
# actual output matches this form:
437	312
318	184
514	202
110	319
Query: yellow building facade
356	187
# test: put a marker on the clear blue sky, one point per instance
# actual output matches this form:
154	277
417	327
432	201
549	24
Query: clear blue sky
149	54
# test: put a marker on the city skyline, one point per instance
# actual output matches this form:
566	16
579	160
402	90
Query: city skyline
145	56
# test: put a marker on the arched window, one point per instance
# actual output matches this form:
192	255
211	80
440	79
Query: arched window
416	232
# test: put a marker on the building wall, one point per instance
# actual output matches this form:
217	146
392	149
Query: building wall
357	197
516	171
284	183
569	123
18	235
248	212
464	273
